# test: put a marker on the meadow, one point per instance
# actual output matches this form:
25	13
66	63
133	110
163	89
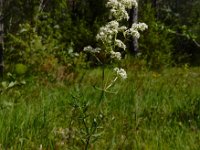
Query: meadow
150	110
99	75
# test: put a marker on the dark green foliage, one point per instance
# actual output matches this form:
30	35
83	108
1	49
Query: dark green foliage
182	17
156	43
28	47
38	30
180	20
172	38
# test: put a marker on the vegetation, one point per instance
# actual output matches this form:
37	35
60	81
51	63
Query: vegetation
42	28
151	110
56	92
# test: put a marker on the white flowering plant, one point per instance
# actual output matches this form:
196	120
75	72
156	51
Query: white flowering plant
108	36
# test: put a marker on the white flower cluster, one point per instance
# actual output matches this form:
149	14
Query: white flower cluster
122	28
121	72
118	8
129	3
139	26
133	31
90	49
107	32
120	44
115	55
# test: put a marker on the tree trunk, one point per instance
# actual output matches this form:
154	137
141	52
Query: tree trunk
134	41
156	7
1	39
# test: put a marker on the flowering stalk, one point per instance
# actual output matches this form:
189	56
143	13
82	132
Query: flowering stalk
108	35
119	73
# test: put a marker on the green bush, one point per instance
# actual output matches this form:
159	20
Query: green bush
156	43
28	47
27	50
51	32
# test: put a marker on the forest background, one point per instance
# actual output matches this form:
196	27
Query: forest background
37	33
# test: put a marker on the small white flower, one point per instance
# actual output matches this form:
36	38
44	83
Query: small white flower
118	8
129	3
133	32
122	28
101	33
139	26
142	26
119	13
120	44
113	4
115	55
97	50
92	50
121	72
88	49
107	32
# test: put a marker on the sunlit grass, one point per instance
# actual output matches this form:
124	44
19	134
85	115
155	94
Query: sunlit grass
150	110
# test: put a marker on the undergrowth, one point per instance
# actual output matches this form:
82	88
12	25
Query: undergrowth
151	110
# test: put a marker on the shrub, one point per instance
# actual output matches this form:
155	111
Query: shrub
155	44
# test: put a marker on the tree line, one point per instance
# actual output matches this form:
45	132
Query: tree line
33	29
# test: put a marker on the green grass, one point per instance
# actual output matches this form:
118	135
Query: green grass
151	111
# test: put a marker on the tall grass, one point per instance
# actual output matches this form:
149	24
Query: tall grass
149	110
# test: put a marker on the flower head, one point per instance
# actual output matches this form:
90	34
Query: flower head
92	50
120	44
121	72
115	55
107	32
133	31
139	26
118	8
122	28
129	3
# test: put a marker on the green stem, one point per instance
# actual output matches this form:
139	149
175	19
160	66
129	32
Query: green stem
102	84
112	82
